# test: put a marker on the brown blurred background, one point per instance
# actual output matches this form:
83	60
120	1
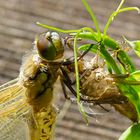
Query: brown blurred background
17	32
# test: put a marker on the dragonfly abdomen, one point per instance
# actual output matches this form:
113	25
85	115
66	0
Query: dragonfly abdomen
43	126
29	98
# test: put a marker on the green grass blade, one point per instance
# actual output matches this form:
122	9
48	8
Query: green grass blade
129	9
93	17
111	18
57	29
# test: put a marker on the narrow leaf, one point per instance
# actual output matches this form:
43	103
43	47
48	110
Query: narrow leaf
135	45
132	133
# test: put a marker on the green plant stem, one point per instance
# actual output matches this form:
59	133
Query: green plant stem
93	17
111	43
120	5
77	78
115	13
129	9
76	68
57	29
111	18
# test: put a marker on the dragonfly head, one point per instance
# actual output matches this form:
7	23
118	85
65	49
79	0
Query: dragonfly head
50	46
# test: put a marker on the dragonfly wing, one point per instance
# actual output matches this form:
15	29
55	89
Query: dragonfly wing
13	129
13	112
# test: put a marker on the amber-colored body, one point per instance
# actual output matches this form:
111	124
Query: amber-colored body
26	104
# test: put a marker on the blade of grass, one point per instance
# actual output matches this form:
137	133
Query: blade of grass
119	10
93	17
129	9
120	5
75	31
57	29
111	18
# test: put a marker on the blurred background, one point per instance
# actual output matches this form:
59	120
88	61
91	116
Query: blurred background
18	30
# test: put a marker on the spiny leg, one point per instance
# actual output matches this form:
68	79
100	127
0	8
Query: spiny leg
65	75
68	62
64	90
69	86
86	51
82	99
66	81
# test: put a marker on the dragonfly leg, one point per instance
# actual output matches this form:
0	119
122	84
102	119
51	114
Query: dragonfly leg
69	86
82	99
66	81
65	75
68	62
107	110
86	51
64	90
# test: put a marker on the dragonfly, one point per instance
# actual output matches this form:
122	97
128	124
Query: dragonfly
26	103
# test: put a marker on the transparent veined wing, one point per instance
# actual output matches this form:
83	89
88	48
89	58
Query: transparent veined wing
14	112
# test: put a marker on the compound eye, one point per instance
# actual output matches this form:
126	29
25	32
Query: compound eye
57	42
46	48
50	46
